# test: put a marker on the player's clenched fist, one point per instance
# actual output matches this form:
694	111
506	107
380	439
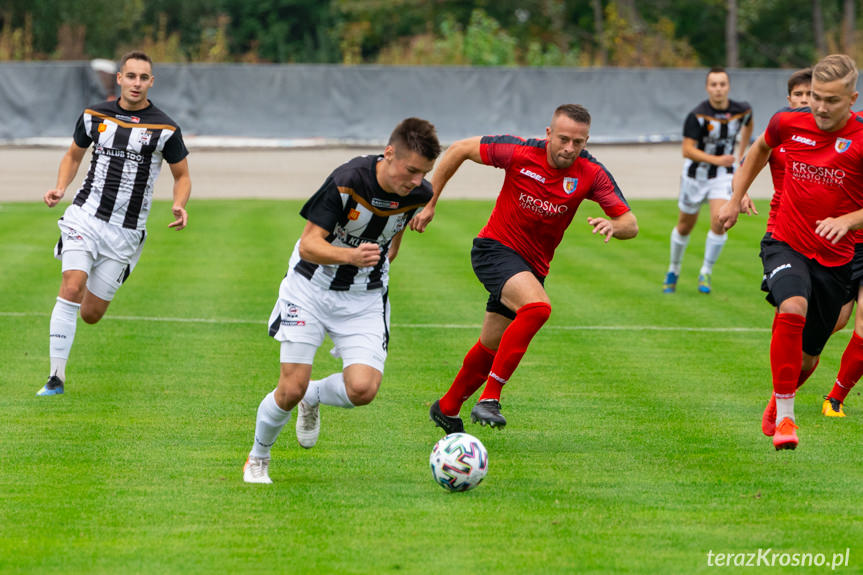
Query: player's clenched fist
51	197
366	255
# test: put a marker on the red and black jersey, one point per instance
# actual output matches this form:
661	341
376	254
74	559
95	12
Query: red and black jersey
537	201
823	178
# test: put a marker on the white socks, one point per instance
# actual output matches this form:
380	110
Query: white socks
329	391
269	422
678	248
712	249
784	408
64	319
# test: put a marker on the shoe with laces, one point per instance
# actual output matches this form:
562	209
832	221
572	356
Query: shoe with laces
256	470
448	423
704	283
487	412
53	387
670	283
308	424
768	420
786	435
832	407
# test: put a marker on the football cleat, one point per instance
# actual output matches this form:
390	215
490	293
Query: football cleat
448	423
487	412
53	387
832	407
670	283
768	420
256	470
308	424
704	283
786	435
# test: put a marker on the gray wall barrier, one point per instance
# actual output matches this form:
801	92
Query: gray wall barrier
330	104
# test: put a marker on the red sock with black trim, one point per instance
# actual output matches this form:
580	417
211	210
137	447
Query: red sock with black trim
528	320
786	353
474	370
850	368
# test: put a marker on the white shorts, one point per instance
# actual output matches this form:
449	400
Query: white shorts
357	322
694	192
105	252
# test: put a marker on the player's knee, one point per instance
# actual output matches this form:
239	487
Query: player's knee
539	312
288	394
796	305
91	316
362	391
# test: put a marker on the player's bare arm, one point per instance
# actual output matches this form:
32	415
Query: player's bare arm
182	190
691	151
622	227
395	243
834	229
315	248
745	137
743	178
455	155
65	174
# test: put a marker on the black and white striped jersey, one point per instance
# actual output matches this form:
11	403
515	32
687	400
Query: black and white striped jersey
128	148
353	207
715	132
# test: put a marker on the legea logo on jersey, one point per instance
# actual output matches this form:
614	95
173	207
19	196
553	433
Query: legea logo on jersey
841	145
569	185
533	175
804	140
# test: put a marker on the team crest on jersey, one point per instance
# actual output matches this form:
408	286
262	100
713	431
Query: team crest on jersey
842	144
569	185
353	215
145	137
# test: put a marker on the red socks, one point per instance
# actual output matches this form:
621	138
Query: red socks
850	368
786	353
474	370
528	320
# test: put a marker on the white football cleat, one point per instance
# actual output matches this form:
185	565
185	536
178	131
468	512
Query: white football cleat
256	470
308	424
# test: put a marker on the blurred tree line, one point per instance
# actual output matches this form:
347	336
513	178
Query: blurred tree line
746	33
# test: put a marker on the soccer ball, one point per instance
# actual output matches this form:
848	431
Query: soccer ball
459	462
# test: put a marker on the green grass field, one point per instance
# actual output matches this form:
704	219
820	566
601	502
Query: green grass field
633	443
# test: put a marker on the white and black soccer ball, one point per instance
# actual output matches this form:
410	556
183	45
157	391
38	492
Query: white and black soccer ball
459	462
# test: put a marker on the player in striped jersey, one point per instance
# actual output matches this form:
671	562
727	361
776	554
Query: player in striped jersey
102	232
546	181
336	285
709	135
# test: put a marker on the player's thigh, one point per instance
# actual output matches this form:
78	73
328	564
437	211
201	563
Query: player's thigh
296	317
106	277
359	325
522	289
495	265
693	193
829	285
786	272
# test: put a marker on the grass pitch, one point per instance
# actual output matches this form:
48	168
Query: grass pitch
633	443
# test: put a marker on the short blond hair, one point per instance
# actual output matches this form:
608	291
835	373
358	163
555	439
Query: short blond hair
836	67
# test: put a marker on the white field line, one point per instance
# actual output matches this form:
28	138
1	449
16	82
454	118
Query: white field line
706	329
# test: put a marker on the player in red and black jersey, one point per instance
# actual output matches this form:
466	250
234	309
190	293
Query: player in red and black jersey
807	261
546	180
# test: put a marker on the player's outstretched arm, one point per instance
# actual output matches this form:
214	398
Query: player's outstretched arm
182	191
315	248
454	156
65	174
622	227
756	159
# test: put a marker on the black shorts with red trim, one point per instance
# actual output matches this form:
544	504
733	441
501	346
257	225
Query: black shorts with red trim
787	273
493	264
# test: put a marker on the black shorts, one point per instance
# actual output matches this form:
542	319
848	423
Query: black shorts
493	264
856	272
787	274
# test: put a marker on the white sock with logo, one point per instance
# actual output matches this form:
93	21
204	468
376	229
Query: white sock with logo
268	424
712	249
329	391
678	248
64	320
